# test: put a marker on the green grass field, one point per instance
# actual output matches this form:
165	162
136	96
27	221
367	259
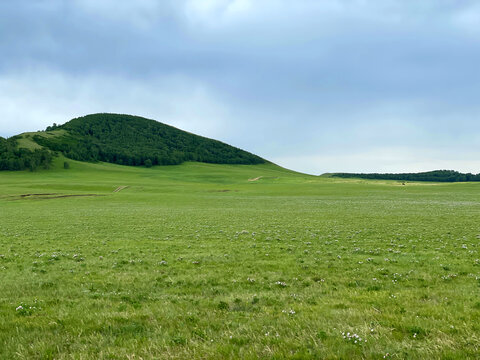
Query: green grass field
195	261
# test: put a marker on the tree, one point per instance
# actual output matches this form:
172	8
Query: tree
148	163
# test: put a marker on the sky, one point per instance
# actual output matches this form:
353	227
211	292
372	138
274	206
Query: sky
313	85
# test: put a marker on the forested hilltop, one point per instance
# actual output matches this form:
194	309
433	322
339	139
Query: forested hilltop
14	158
136	141
437	176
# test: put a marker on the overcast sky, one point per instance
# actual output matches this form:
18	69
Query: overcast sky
313	85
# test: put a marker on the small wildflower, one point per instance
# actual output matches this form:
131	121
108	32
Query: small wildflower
354	338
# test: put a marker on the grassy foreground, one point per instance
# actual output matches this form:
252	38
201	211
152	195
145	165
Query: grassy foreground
195	261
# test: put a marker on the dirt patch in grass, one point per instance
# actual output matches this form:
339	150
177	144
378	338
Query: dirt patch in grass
66	196
28	195
51	196
223	190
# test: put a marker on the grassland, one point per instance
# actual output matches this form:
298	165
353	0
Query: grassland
195	261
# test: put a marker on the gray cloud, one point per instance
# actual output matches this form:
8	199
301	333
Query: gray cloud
314	85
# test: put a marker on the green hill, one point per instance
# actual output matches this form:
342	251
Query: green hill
121	139
135	141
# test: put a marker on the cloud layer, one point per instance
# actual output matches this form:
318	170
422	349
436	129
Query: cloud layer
317	86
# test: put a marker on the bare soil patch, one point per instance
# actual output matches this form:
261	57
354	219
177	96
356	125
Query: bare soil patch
28	195
47	196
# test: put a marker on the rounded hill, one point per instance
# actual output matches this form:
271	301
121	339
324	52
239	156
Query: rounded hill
133	140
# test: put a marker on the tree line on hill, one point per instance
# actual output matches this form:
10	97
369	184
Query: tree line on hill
436	176
136	141
14	158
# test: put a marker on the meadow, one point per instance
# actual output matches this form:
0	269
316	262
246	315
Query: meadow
196	261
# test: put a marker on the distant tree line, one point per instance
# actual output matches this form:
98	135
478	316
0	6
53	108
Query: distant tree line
14	158
437	176
136	141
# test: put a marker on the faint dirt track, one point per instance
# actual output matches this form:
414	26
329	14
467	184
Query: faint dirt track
120	188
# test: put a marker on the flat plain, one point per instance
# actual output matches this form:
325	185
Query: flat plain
196	261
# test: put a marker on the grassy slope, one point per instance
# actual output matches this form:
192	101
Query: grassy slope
355	256
25	141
